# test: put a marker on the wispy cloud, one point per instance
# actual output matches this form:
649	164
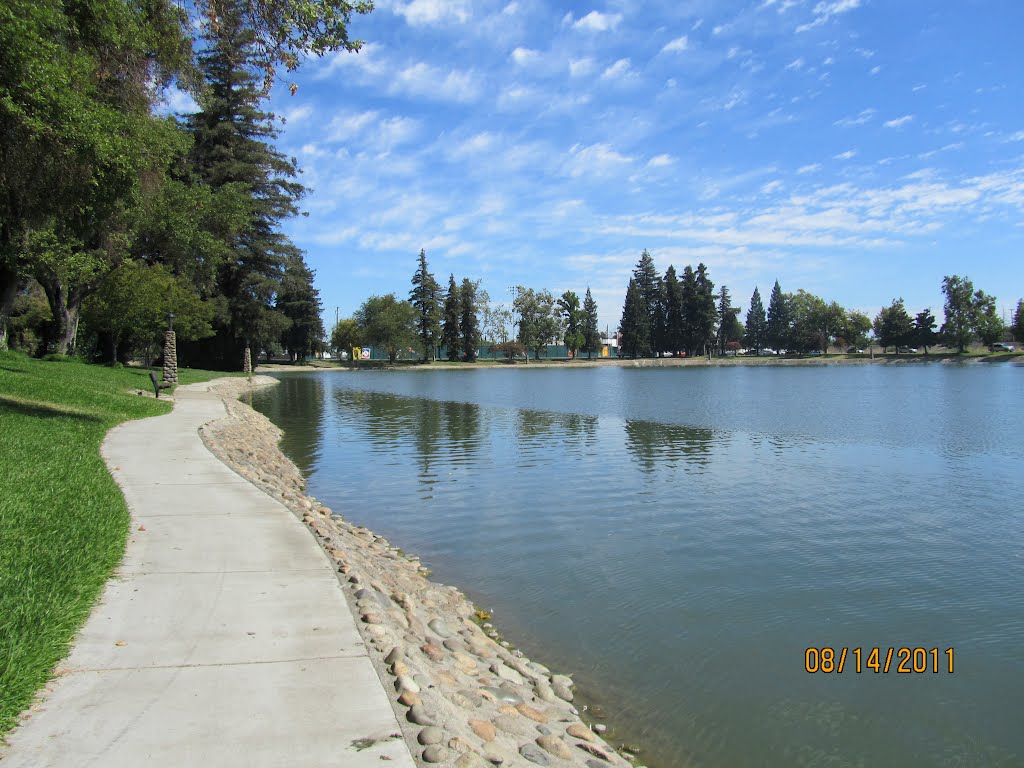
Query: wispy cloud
824	11
847	155
423	12
898	122
595	21
864	116
676	45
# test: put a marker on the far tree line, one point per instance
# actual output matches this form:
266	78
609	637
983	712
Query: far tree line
461	320
673	315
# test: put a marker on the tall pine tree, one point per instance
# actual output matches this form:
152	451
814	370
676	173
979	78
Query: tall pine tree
757	323
452	317
635	323
469	326
779	320
647	282
704	312
425	297
591	333
299	301
233	149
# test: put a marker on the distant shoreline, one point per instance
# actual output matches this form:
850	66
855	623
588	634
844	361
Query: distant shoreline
652	362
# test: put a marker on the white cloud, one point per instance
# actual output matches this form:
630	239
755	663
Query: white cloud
421	79
803	170
864	116
424	12
660	161
581	67
847	155
824	11
596	21
595	160
617	71
674	46
525	56
796	64
898	122
1018	136
874	70
371	129
369	60
179	102
770	187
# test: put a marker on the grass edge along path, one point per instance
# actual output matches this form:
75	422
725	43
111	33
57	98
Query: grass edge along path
63	520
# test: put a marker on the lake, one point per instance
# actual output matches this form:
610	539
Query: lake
677	538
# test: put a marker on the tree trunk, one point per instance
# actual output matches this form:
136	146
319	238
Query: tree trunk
8	293
65	306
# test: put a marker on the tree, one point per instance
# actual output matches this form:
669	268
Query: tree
757	323
425	298
924	334
958	328
130	309
511	349
569	304
299	301
469	326
729	328
634	325
989	325
388	323
1018	321
893	326
646	276
346	335
232	151
779	320
704	312
76	137
856	328
591	333
452	317
674	333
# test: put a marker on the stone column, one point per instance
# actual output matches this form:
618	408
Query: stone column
170	358
247	361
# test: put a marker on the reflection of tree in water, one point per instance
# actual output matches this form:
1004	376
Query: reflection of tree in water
655	445
297	407
542	429
443	431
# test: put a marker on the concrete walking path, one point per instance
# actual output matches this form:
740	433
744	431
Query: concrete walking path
224	638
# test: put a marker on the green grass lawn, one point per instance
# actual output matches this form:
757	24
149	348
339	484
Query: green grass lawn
63	521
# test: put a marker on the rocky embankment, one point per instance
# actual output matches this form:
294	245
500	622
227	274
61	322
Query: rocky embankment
464	698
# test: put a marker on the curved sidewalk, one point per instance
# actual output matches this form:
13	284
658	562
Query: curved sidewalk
224	638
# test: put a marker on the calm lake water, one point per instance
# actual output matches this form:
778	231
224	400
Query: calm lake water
677	538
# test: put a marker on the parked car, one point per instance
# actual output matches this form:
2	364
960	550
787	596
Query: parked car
1001	347
855	351
907	350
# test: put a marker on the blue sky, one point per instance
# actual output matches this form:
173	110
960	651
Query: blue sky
858	149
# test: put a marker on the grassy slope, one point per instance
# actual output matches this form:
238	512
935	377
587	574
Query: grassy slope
63	521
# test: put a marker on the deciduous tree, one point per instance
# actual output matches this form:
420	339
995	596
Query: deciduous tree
388	323
893	326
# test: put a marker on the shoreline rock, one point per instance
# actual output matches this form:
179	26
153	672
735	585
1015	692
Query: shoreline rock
462	699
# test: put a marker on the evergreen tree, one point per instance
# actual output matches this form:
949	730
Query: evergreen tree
232	150
646	276
688	293
591	333
777	328
299	301
569	303
635	323
757	323
705	313
450	332
1018	321
727	319
469	326
425	298
674	329
924	329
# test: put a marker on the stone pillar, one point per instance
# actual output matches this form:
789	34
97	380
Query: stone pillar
170	358
247	361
